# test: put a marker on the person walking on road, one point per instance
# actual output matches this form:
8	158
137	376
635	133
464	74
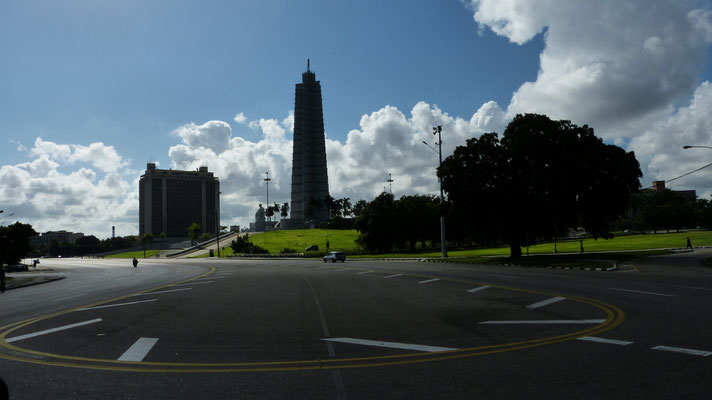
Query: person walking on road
689	244
135	262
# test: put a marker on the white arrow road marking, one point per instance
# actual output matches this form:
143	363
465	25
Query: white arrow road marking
393	345
139	350
46	331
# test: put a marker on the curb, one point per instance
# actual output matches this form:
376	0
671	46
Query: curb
33	282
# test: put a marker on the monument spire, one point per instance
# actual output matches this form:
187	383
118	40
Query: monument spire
307	65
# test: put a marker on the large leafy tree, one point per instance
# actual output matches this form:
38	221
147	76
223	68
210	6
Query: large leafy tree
542	177
15	242
378	225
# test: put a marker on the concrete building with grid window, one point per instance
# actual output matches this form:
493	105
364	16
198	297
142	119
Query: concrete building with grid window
171	200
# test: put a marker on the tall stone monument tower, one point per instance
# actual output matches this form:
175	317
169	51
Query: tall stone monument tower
310	181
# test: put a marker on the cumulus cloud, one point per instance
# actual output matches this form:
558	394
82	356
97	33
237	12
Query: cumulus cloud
99	155
240	118
87	199
612	64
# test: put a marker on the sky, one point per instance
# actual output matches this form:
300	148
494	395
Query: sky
92	91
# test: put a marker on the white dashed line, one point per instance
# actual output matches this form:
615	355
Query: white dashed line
139	350
392	276
364	272
342	269
46	331
116	305
430	280
697	288
693	352
163	291
545	302
641	292
547	321
477	289
607	341
392	345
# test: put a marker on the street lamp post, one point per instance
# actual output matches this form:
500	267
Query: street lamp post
390	183
443	245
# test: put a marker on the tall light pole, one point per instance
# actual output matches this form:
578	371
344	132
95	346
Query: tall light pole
390	183
267	179
437	130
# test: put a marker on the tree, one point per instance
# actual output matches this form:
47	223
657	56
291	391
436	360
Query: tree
87	245
269	212
419	219
275	207
377	225
285	210
15	242
346	206
542	177
358	208
194	232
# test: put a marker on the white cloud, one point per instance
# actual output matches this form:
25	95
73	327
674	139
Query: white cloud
240	118
83	199
212	135
611	64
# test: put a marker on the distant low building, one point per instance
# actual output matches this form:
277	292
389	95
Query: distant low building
171	200
46	238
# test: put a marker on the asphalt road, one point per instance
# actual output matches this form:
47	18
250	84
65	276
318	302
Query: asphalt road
223	329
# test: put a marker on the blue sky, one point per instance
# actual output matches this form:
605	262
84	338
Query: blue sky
86	84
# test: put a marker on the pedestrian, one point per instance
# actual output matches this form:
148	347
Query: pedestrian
135	262
581	245
689	244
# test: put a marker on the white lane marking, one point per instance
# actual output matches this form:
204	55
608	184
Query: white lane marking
138	350
116	305
641	292
392	276
364	272
392	345
430	280
545	302
342	269
548	321
6	300
193	283
162	276
693	352
205	279
46	331
696	287
164	291
323	267
477	289
69	297
607	341
504	276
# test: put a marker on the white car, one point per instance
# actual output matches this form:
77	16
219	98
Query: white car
335	256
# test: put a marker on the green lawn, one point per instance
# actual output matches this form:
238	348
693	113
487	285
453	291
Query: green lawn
300	239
